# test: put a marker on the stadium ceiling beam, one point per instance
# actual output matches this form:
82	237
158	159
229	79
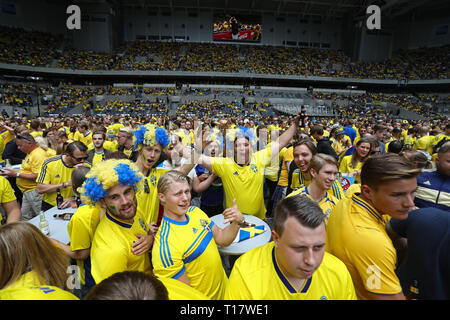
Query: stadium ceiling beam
411	5
333	9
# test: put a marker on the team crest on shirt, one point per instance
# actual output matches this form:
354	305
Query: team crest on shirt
57	176
153	180
327	213
143	225
204	223
254	168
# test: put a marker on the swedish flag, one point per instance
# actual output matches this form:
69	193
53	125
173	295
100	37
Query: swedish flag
249	232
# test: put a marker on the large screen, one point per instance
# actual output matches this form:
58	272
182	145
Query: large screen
237	28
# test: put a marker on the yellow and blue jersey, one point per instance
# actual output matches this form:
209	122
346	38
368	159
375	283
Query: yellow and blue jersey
327	204
111	247
55	171
189	247
147	198
356	235
42	292
298	181
178	290
257	275
244	182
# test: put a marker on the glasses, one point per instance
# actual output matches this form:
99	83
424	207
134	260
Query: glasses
79	159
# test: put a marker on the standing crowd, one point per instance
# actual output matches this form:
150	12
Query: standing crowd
357	210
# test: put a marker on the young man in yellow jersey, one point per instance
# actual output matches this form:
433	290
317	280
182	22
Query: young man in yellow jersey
243	175
122	238
294	266
150	142
185	246
356	228
83	133
98	153
323	170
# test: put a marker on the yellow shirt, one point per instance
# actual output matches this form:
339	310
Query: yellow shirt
50	152
55	171
5	137
147	198
6	192
356	235
244	182
287	157
424	143
346	167
111	247
36	133
97	157
81	229
256	275
327	204
31	164
178	290
298	181
86	138
189	247
41	292
271	171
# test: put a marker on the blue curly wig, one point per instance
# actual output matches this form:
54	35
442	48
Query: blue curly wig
107	174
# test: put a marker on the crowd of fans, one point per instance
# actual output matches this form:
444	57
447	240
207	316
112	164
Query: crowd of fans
39	49
330	161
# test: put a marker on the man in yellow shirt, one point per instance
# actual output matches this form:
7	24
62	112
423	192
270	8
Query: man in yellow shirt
27	174
112	185
186	242
243	175
83	134
295	265
423	142
56	173
356	228
323	170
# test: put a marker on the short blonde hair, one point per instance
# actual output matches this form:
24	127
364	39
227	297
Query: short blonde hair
167	178
320	159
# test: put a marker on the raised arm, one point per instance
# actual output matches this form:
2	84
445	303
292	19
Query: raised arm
286	137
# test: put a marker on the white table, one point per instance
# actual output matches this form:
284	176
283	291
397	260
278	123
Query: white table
16	166
58	227
242	247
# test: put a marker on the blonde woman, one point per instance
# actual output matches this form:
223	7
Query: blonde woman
28	259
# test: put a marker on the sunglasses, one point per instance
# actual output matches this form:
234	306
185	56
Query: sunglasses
79	159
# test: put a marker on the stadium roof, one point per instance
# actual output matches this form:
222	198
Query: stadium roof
302	8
